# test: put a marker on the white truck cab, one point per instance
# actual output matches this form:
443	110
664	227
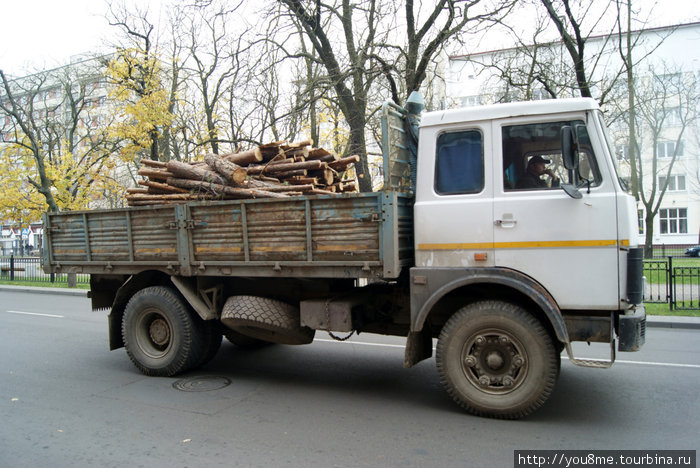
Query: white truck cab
521	212
479	209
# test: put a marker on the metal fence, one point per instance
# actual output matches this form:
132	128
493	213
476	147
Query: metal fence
677	286
29	269
663	251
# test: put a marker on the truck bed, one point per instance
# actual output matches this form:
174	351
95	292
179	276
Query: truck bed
367	235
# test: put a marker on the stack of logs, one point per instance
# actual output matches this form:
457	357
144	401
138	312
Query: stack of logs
272	170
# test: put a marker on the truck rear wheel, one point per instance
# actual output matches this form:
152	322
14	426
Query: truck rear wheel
497	360
265	319
161	336
212	341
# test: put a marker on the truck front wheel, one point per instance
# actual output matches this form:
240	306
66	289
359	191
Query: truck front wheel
497	360
161	336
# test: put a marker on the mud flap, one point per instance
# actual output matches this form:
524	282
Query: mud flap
419	346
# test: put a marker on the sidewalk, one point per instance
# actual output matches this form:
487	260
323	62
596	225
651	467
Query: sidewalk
47	290
655	321
668	321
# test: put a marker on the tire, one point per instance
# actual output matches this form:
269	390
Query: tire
497	360
243	341
161	336
212	341
265	319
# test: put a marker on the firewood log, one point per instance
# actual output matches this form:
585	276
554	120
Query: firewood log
350	186
152	163
243	158
273	168
320	192
218	189
283	176
342	164
170	196
319	153
325	176
162	187
156	174
270	150
301	180
133	190
230	171
187	171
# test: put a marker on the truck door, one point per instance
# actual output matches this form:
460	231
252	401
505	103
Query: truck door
453	209
568	245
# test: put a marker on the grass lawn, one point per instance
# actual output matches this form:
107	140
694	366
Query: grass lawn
663	309
685	277
42	284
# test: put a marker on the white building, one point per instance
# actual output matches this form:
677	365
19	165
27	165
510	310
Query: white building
15	240
664	54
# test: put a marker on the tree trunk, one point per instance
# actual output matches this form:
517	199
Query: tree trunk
649	235
358	146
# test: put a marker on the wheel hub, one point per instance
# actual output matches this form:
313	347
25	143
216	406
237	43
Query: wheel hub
159	332
494	361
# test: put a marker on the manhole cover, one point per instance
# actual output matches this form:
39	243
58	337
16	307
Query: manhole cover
201	383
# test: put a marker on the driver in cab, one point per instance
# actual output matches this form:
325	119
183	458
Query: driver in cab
533	177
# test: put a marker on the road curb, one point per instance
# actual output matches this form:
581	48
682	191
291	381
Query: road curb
42	290
681	323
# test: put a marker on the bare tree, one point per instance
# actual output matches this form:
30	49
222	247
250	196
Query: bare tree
357	43
351	80
668	109
214	56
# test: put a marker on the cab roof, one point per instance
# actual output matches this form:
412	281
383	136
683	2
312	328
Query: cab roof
511	109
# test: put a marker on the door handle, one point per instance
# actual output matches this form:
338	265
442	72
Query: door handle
505	223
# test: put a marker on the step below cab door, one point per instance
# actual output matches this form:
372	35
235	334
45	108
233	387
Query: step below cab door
569	245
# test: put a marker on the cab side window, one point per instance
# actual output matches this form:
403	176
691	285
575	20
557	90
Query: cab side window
532	157
459	166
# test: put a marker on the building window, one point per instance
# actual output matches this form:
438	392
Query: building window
459	166
673	220
667	149
622	152
670	116
676	183
469	101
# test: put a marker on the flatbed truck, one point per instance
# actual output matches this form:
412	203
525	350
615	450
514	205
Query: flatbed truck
453	248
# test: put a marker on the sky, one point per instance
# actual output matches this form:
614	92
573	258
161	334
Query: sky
42	34
39	34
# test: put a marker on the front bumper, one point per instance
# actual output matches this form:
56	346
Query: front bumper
632	329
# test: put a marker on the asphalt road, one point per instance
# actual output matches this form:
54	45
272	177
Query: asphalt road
65	400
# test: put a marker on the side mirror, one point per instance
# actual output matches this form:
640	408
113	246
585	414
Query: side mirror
569	148
569	156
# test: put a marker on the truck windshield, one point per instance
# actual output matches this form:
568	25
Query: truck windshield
622	178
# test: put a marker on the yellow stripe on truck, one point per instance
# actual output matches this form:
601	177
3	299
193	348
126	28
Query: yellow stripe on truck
523	245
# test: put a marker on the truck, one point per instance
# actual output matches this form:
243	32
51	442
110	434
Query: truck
455	253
